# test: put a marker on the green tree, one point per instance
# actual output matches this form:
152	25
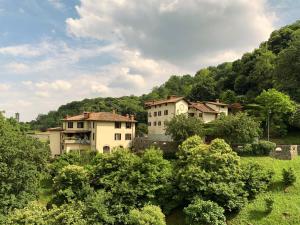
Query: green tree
72	183
204	87
22	161
211	172
288	66
235	129
181	127
148	215
201	212
276	106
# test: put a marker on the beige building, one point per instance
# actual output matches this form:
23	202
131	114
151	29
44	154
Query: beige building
101	131
163	110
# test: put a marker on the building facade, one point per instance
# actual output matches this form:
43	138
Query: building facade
101	132
164	110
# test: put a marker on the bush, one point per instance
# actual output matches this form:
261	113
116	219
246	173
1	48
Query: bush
148	215
288	176
212	172
256	178
269	202
201	212
71	183
261	148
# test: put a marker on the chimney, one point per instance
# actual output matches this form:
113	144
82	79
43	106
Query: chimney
127	115
114	111
217	100
131	117
67	116
86	115
171	97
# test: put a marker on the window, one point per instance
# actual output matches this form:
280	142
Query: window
80	124
117	136
149	124
159	113
118	125
93	124
154	124
128	125
166	112
166	104
155	113
106	149
70	124
191	114
127	137
93	136
159	123
149	114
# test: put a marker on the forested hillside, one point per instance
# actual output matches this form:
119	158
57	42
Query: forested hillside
275	64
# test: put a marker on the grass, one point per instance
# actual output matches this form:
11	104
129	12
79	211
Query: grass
286	200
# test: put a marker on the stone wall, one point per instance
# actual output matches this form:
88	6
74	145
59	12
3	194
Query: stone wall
285	152
141	143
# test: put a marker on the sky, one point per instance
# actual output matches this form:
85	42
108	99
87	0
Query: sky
56	51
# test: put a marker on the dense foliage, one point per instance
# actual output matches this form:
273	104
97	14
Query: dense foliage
148	215
260	148
235	129
22	159
288	176
201	212
181	127
207	170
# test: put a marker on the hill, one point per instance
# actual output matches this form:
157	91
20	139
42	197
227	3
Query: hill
275	64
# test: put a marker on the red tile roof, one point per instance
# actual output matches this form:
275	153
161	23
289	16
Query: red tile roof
202	107
170	99
101	116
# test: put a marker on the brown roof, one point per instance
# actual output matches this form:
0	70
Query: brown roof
202	107
101	116
55	129
170	99
217	103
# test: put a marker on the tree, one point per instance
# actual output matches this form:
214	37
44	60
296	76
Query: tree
201	212
235	129
228	97
276	106
295	118
181	127
204	88
22	160
210	172
71	183
148	215
133	180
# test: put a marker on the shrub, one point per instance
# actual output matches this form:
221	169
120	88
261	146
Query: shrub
260	148
269	202
288	176
212	172
235	129
201	212
148	215
72	182
256	178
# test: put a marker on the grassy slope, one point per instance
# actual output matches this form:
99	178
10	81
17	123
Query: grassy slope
287	200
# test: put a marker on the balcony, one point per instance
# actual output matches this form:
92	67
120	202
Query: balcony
77	141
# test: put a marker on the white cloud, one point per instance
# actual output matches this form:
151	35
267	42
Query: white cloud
177	31
56	3
17	67
4	87
58	85
20	50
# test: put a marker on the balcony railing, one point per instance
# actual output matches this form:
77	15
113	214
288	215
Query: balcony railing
77	141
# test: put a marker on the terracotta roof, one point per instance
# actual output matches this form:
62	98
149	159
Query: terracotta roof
202	107
100	116
55	129
217	103
170	99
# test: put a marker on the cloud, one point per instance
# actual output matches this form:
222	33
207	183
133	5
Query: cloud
20	50
177	31
58	85
17	67
56	3
4	87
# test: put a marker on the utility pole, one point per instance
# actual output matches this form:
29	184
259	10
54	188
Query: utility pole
269	112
